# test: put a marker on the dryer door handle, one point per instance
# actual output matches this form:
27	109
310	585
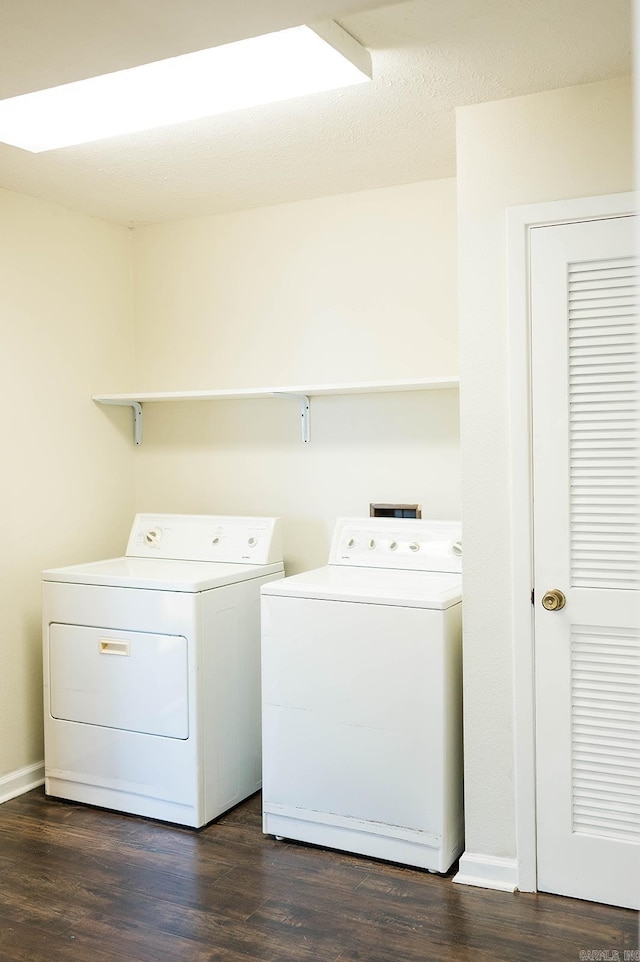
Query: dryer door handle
113	646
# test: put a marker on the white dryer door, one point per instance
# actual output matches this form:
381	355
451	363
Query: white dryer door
129	680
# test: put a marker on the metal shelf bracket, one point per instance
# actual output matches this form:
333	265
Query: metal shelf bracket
137	416
305	412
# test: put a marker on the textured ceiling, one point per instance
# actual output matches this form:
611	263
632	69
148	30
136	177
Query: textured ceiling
429	56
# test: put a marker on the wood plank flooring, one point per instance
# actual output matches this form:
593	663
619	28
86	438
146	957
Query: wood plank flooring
87	885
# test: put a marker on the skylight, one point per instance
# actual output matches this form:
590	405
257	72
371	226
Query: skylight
261	70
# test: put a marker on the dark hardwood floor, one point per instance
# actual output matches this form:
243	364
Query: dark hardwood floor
82	884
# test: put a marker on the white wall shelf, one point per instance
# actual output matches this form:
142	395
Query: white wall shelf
302	394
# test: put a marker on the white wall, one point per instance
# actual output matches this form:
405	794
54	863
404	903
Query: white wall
350	288
561	144
66	484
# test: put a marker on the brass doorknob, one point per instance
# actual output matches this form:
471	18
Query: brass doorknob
553	600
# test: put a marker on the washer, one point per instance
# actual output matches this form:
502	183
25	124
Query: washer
152	668
362	695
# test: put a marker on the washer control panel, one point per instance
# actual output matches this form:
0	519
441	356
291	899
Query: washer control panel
410	543
200	537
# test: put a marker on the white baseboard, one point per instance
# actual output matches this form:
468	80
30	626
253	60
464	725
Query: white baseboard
488	872
21	781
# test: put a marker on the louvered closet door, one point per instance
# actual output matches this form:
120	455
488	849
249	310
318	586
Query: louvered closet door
586	543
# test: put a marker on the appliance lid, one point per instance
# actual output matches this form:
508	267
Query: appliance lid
159	574
409	589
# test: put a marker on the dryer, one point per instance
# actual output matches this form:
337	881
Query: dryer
362	695
152	668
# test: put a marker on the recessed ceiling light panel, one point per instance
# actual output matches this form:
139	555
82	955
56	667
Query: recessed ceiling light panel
273	67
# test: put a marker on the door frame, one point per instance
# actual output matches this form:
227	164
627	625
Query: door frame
520	222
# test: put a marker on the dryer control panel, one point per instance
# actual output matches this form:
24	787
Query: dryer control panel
417	545
201	537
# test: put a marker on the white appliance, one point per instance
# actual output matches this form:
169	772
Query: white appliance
362	695
152	668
